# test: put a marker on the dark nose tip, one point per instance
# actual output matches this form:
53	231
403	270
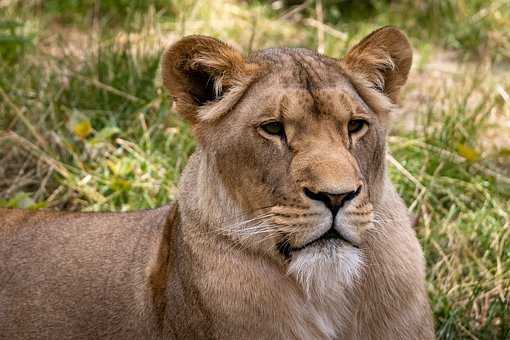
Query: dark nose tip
333	201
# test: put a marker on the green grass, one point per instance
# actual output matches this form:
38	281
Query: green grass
85	123
475	27
463	207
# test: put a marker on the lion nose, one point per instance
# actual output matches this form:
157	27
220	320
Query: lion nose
333	201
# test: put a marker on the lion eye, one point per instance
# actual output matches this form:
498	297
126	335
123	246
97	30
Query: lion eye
356	125
273	128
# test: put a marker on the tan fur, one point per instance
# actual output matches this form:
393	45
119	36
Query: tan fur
236	256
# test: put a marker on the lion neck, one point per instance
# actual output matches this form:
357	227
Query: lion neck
202	196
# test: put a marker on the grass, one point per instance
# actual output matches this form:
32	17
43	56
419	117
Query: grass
463	208
475	27
86	125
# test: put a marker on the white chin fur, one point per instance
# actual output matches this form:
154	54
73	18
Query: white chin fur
326	269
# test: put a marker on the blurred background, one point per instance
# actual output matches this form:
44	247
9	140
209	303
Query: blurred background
86	125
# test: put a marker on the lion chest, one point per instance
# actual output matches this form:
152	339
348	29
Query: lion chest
324	316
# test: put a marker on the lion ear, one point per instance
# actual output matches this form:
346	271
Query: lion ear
199	70
383	59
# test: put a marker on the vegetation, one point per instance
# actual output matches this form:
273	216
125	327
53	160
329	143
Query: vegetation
86	125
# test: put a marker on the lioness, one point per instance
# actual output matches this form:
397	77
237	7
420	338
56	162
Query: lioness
286	225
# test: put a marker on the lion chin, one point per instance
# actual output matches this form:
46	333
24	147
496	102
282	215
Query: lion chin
326	266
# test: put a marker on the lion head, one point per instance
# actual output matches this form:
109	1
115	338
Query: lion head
290	161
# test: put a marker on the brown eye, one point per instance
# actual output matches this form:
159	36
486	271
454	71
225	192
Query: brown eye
356	125
273	128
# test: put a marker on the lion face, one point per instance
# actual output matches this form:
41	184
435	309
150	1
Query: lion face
296	141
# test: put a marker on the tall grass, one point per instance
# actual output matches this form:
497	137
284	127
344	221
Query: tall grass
462	203
86	125
476	27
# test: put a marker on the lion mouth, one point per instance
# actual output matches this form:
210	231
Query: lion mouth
332	235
